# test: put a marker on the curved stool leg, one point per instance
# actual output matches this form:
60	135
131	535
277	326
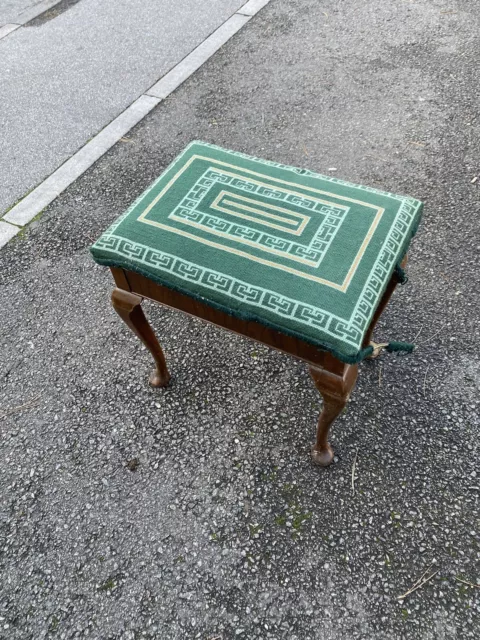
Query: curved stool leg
128	306
335	390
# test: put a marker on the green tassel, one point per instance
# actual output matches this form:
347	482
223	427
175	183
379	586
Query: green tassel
401	275
364	353
400	346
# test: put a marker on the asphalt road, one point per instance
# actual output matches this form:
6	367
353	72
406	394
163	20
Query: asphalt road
66	78
194	512
19	11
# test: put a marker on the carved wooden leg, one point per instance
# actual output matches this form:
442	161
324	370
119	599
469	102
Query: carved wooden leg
128	307
335	388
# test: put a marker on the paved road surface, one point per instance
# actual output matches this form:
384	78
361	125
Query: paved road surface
18	11
64	80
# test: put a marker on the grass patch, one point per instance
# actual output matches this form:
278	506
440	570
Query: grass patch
108	585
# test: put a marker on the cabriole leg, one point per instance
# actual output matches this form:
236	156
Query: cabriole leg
335	390
128	306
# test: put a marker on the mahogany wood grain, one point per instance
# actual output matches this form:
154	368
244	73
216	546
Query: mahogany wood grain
333	379
128	307
335	391
254	330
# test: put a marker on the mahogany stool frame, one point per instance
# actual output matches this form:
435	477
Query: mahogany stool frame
334	379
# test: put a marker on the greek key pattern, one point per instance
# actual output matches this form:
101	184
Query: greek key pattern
348	331
304	172
329	220
305	314
384	264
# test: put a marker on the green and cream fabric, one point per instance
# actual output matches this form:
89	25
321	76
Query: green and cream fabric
306	254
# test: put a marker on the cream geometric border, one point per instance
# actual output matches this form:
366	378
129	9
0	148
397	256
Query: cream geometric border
347	333
190	197
340	287
247	206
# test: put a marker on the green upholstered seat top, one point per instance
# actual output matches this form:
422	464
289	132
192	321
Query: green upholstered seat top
306	254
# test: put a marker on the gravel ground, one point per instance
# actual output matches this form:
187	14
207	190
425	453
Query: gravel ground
194	512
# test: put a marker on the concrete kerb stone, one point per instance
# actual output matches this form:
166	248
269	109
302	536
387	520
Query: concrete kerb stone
252	7
31	205
8	28
49	189
197	57
23	212
7	231
33	12
25	16
102	142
